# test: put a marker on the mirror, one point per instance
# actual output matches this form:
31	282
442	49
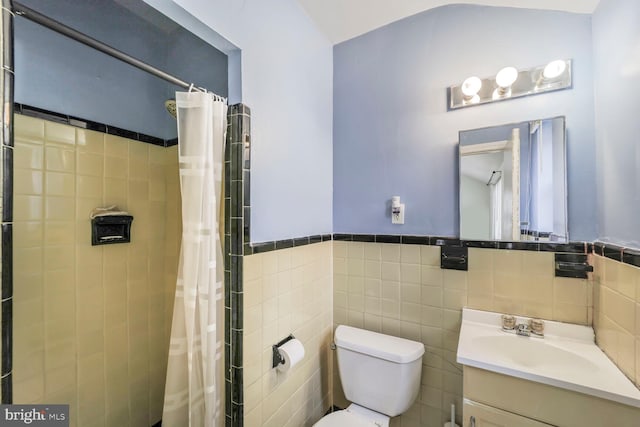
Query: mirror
513	182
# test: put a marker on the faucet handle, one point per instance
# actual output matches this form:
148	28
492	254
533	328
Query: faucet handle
508	322
537	326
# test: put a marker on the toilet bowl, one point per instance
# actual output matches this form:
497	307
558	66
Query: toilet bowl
380	375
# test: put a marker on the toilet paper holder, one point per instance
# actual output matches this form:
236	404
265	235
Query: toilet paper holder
277	357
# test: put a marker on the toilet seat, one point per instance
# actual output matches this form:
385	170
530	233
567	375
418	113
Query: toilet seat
344	418
354	416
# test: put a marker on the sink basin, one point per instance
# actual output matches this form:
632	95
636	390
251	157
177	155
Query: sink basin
567	357
533	353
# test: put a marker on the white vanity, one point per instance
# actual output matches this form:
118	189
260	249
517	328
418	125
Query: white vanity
562	379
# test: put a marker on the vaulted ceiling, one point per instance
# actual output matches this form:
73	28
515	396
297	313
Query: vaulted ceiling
341	20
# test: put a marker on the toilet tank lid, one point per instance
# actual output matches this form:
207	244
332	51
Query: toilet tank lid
387	347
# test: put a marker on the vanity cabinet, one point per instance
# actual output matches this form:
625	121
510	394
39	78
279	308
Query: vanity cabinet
479	415
497	400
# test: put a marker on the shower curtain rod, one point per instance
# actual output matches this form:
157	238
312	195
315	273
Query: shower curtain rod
22	10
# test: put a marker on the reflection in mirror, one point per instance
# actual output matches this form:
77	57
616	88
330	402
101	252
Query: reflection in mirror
513	182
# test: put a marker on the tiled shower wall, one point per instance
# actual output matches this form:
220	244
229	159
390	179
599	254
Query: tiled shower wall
91	323
287	291
617	313
401	290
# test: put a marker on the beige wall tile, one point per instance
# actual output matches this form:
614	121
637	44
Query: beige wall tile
480	259
28	156
430	255
372	252
60	159
480	302
410	273
28	208
410	254
116	146
507	262
390	252
431	275
89	163
60	184
28	129
90	141
27	234
627	280
28	182
56	133
570	313
570	291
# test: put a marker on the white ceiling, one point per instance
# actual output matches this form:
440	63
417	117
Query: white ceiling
341	20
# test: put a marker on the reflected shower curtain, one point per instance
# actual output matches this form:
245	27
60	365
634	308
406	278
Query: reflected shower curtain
194	370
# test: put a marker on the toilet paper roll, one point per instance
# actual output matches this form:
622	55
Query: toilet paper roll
292	352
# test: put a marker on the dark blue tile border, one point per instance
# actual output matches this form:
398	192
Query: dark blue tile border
31	111
518	246
7	184
7	337
7	261
363	238
485	244
571	247
237	233
386	238
613	252
415	240
631	256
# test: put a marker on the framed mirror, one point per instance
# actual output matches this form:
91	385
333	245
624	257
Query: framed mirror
513	183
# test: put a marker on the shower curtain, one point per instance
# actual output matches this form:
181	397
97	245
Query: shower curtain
194	369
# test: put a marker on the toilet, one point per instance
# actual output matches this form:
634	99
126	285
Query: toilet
380	375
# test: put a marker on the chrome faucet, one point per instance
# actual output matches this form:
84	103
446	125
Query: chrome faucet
523	330
529	328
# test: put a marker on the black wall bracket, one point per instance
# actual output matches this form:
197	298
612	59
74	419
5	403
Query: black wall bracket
454	257
277	357
572	265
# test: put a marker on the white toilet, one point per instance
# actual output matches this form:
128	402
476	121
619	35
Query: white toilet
380	374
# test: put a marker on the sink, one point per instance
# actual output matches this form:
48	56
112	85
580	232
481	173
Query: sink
567	356
533	353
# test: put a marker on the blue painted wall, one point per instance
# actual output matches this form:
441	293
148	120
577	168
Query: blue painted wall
59	74
394	136
616	35
287	66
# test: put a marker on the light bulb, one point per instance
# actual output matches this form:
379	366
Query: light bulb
554	69
506	77
471	86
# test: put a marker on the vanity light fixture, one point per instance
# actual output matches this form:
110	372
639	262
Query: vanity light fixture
506	77
511	82
554	69
470	88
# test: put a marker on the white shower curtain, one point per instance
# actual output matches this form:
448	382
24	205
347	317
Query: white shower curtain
194	371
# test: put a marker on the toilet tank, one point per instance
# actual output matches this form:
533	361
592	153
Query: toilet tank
378	371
